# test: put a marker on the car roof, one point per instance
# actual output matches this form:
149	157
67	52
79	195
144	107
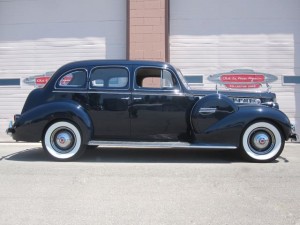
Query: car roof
84	63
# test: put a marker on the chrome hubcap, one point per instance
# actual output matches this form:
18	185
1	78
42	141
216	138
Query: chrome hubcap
63	140
261	141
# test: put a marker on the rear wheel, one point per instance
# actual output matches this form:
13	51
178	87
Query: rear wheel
262	142
63	141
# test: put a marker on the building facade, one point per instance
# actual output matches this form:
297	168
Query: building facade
202	38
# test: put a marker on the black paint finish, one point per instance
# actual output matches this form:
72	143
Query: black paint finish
125	111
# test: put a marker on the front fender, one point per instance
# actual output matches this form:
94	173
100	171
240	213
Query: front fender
30	125
217	120
273	115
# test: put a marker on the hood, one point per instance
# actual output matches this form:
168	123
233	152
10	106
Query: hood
240	97
240	94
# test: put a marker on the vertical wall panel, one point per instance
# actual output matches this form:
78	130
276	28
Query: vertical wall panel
147	29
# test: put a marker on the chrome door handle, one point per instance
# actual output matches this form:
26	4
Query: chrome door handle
125	98
137	98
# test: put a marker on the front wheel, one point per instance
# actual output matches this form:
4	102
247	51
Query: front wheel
262	142
63	141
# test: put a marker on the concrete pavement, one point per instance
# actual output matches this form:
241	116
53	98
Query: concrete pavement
147	187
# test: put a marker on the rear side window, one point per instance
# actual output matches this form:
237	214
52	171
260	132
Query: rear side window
73	79
109	78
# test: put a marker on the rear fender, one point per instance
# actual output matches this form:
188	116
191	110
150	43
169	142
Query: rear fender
31	125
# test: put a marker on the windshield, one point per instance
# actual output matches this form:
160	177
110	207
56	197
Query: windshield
181	77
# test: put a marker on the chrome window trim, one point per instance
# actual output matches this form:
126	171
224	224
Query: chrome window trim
159	93
118	92
93	92
108	89
58	87
154	89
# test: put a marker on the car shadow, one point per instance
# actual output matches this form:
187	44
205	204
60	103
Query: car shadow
135	156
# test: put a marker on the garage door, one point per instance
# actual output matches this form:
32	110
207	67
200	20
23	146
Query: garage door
212	37
37	37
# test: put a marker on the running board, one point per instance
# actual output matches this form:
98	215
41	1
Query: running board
153	145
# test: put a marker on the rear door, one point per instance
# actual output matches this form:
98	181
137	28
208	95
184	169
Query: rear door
109	98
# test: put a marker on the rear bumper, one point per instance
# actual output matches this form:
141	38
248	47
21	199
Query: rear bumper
10	130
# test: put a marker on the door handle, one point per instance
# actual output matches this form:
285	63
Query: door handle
125	98
137	98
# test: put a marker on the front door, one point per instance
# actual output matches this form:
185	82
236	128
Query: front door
158	109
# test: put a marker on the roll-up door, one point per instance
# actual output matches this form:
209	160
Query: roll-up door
213	37
37	37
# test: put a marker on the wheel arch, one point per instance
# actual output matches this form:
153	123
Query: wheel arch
80	119
40	118
282	127
62	119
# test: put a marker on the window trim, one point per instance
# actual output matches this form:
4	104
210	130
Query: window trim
90	87
58	87
284	83
137	88
186	77
6	81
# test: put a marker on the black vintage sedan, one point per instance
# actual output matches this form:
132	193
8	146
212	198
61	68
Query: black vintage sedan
144	104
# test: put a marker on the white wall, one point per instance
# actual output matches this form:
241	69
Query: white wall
37	36
217	36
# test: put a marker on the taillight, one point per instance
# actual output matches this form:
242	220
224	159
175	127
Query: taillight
16	117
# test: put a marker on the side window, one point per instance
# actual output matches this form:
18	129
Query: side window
153	78
76	78
109	78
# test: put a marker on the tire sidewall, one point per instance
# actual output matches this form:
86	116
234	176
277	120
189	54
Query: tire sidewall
74	153
268	157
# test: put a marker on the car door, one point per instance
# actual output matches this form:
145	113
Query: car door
159	109
109	98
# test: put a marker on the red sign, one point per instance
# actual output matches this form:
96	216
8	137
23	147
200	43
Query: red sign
41	80
242	78
242	86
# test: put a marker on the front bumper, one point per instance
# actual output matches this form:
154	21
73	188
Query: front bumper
293	135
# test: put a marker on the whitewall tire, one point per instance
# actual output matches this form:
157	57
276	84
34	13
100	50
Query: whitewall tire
62	141
262	142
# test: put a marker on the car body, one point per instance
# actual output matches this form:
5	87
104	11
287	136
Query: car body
146	104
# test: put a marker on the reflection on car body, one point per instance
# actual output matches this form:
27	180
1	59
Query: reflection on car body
145	104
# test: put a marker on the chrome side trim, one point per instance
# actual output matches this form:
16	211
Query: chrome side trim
207	110
96	92
156	145
158	93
